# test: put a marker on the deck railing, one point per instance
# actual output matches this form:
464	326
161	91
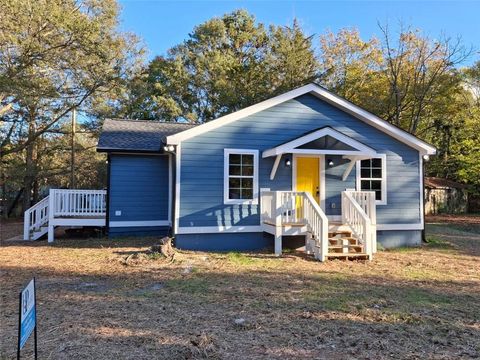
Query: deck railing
63	203
35	217
289	208
78	202
354	214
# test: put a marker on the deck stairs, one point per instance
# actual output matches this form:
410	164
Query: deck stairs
288	213
342	243
67	208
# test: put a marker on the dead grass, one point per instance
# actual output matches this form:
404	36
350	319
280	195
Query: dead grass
406	304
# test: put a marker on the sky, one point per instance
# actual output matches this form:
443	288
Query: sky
162	24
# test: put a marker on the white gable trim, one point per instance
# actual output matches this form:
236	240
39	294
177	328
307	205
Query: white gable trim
322	94
290	147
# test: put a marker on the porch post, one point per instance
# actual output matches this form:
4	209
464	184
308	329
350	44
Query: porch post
51	215
278	223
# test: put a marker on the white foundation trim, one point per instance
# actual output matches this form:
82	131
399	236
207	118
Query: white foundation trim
412	226
219	229
140	223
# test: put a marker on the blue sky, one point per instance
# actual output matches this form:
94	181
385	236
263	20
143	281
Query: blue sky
162	24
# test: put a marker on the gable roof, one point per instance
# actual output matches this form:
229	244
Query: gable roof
136	135
321	93
294	145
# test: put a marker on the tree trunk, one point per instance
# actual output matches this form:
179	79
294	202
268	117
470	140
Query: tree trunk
30	165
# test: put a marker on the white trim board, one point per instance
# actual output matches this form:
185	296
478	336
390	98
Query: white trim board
396	227
140	223
259	228
219	229
422	190
320	93
178	160
291	146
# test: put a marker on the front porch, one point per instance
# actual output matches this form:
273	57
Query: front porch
286	213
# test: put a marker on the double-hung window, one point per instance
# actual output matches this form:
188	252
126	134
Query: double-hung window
371	176
240	176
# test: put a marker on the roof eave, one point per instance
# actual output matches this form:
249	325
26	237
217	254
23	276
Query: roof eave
323	94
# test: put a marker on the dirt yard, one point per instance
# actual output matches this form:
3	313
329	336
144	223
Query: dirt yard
99	299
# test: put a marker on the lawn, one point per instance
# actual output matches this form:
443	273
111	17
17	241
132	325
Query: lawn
101	299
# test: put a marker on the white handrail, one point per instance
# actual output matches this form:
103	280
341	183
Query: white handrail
366	200
355	216
317	223
279	208
35	217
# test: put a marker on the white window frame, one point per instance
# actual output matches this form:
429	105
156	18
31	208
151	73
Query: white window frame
383	158
226	176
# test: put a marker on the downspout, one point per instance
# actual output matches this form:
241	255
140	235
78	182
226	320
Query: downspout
107	199
424	237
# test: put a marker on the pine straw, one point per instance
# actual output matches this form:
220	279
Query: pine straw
408	303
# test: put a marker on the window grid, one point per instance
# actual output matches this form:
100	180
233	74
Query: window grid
371	176
240	176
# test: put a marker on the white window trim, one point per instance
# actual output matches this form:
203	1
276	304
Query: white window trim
383	157
226	176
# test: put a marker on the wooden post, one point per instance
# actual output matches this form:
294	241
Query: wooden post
278	223
51	213
26	225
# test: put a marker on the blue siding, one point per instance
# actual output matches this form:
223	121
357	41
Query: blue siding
396	238
139	231
138	188
224	242
201	191
334	184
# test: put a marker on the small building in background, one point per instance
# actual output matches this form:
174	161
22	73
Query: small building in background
443	196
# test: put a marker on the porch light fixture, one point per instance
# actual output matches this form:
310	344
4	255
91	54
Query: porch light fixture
330	162
288	163
168	148
426	157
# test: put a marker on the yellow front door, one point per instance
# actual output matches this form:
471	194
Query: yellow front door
308	176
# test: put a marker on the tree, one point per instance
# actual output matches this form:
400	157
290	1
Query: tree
291	60
419	70
226	64
350	67
54	56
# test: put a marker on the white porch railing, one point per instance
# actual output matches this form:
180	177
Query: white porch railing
317	223
292	208
78	202
358	211
64	207
35	218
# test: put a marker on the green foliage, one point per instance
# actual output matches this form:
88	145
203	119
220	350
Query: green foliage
55	56
226	64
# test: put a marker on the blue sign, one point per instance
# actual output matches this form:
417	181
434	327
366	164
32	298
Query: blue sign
27	313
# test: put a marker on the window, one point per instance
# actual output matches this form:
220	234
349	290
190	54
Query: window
371	176
241	176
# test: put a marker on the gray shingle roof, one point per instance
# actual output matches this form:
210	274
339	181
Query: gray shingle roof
136	135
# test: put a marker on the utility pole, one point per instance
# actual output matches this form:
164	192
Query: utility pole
72	155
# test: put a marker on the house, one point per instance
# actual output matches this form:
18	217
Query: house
445	196
305	163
